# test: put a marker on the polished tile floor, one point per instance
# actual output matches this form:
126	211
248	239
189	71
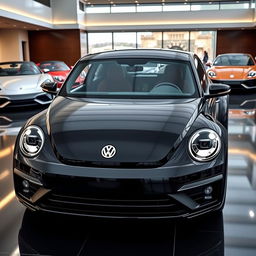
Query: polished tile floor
230	234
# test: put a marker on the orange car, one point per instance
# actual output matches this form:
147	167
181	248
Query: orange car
235	69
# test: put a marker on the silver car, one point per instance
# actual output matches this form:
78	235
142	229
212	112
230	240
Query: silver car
20	84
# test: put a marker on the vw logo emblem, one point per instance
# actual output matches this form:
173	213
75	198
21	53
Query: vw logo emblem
108	151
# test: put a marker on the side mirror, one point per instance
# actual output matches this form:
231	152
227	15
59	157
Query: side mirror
217	90
49	87
46	70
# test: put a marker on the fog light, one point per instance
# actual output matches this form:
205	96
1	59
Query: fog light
208	192
25	185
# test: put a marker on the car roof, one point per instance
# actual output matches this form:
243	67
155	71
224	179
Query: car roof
50	61
235	54
16	62
141	53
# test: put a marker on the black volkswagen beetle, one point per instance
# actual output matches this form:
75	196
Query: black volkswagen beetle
131	134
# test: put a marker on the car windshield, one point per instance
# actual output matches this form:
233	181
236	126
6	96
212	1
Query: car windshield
18	69
131	78
234	60
53	66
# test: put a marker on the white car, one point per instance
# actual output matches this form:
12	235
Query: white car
20	84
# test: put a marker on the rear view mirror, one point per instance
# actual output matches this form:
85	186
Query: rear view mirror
46	70
134	68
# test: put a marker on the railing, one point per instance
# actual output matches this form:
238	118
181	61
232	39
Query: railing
169	7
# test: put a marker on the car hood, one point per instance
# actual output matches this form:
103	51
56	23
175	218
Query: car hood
20	84
141	132
63	73
233	73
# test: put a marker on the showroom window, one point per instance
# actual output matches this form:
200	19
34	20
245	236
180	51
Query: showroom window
177	40
194	41
201	41
176	7
81	6
204	6
120	8
98	9
149	8
149	39
99	42
44	2
124	40
235	5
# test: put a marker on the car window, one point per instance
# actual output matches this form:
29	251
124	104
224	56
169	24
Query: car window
136	78
201	74
18	69
233	60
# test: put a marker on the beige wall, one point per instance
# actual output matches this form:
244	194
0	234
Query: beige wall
11	46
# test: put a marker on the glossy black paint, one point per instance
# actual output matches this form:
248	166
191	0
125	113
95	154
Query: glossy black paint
144	179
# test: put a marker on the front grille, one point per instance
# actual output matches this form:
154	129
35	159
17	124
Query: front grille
110	207
3	100
139	205
22	103
237	84
43	97
121	197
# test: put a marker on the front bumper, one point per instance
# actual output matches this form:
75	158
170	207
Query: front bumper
139	198
22	100
238	84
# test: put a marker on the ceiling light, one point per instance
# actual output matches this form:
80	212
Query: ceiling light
251	214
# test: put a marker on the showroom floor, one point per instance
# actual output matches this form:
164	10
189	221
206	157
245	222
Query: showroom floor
232	234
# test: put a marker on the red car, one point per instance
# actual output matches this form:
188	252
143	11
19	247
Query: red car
57	69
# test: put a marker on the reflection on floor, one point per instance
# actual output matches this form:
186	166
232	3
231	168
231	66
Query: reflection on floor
234	233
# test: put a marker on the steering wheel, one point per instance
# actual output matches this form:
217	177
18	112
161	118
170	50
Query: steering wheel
168	84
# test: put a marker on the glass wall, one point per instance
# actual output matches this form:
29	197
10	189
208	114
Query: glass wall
149	39
99	42
194	41
124	40
168	7
201	41
149	8
176	40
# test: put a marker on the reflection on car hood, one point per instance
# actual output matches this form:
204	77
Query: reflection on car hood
234	72
63	73
140	132
20	84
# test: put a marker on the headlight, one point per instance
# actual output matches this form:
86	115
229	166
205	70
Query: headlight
31	141
252	74
204	145
211	73
58	78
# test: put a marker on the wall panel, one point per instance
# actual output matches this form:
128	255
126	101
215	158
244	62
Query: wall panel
55	45
236	41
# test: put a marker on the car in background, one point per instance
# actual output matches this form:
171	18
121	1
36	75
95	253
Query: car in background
20	84
57	69
120	142
235	69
